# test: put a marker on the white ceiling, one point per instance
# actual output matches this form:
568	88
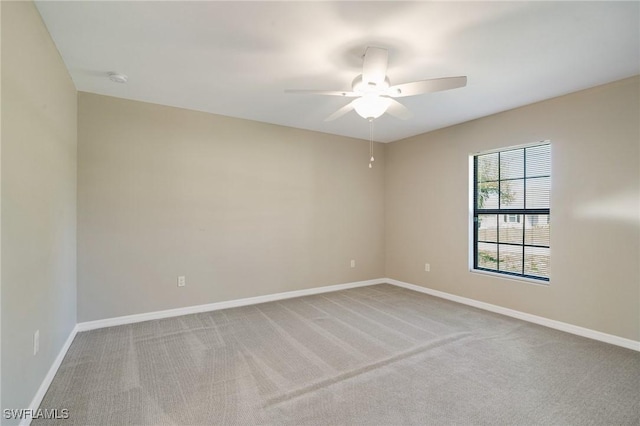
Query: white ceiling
236	58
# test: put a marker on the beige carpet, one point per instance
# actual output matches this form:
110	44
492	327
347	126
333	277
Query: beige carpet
377	355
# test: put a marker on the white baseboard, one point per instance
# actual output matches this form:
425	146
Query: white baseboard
558	325
130	319
46	382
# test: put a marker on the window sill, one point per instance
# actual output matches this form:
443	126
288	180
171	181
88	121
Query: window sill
511	277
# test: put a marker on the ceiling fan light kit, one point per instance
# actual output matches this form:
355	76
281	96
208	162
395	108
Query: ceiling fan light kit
371	106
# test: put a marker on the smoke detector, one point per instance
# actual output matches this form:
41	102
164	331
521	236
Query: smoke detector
117	77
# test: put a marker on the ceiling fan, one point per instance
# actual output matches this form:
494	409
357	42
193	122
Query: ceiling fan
374	93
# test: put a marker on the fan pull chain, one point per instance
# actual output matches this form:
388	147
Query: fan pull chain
371	160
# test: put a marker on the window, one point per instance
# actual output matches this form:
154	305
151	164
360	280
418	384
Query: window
511	222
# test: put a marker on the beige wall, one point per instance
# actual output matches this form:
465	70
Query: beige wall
595	234
244	208
240	208
38	208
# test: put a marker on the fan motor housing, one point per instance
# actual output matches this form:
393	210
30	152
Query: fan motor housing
359	86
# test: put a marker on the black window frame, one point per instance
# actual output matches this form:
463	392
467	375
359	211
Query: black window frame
523	212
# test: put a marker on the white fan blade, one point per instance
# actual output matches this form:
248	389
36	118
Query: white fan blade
374	69
398	110
426	86
339	113
324	92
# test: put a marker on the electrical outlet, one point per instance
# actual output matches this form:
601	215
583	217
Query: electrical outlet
182	281
353	263
427	267
36	342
